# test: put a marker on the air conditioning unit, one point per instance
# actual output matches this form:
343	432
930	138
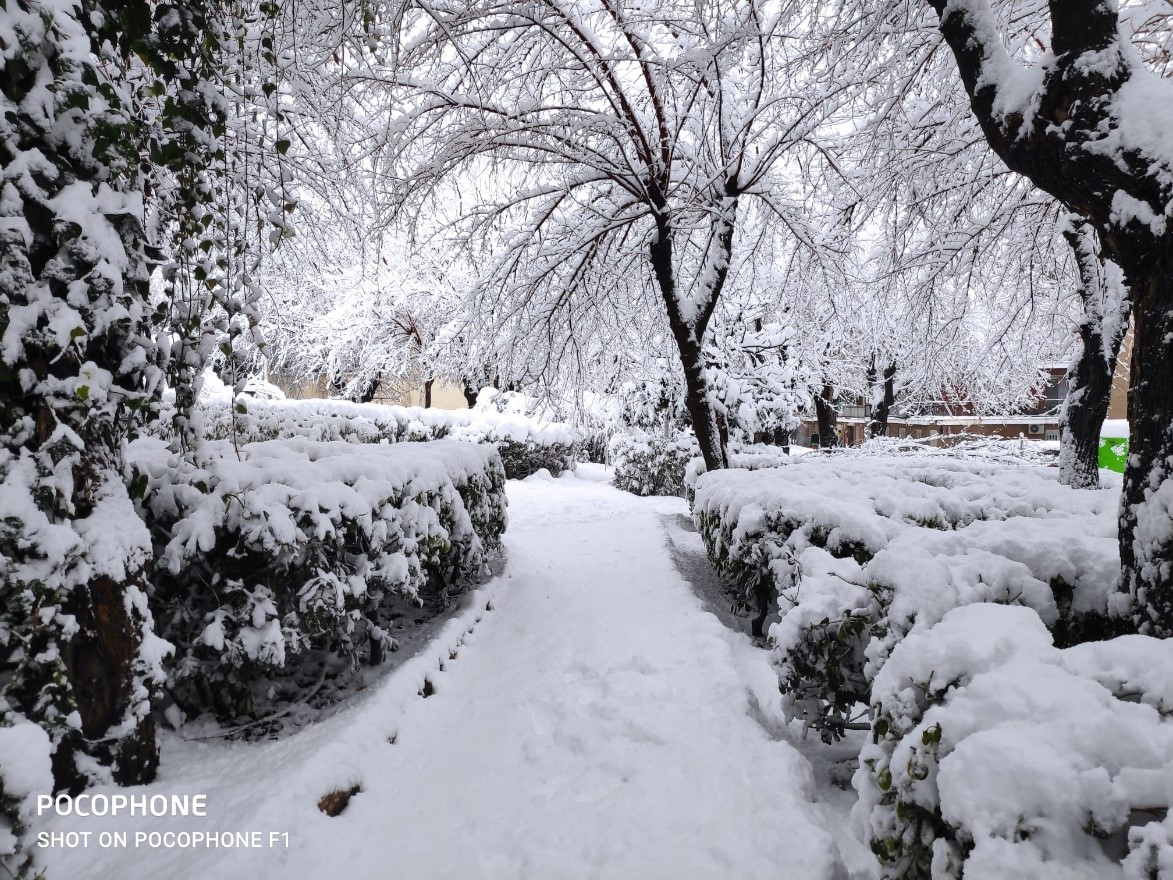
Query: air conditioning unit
1034	429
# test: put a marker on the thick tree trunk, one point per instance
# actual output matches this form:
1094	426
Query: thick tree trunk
428	393
1089	378
1146	531
78	253
827	418
688	330
100	661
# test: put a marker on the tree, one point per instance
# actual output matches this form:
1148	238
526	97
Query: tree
626	146
79	373
948	210
883	395
1086	123
1106	309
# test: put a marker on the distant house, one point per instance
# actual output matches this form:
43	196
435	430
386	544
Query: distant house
1038	422
445	394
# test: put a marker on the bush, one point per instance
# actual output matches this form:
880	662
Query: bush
525	444
651	464
303	546
861	551
996	755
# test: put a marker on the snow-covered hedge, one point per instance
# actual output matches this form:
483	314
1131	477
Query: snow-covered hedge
863	550
306	545
650	463
524	443
746	457
997	756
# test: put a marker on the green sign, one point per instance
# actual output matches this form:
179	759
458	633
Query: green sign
1113	453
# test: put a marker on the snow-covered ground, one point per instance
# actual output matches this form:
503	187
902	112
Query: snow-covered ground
585	717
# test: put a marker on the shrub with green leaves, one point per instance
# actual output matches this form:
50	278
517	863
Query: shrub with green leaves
860	551
996	755
650	463
300	547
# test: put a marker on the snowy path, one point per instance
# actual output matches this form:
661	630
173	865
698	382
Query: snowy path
596	723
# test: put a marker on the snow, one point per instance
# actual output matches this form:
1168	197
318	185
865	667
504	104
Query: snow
1036	759
24	772
1114	428
588	719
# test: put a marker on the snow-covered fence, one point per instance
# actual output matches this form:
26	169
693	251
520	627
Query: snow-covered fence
995	754
525	444
863	550
306	545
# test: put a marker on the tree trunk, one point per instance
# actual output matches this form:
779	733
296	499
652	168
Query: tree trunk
78	252
469	392
827	417
365	392
100	660
689	330
1146	538
428	393
696	401
1089	378
882	403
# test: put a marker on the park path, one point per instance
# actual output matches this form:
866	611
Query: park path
595	722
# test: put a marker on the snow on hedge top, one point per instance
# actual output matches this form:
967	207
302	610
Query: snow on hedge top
369	422
272	478
844	534
1031	756
870	499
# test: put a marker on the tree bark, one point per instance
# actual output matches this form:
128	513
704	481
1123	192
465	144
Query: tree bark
827	418
1146	538
1089	378
469	392
428	393
688	330
882	403
100	659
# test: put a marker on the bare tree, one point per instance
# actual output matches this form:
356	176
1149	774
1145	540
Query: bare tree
625	145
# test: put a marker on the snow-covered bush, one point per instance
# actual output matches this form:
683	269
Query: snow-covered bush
996	756
968	447
744	456
649	463
24	772
525	444
862	550
301	545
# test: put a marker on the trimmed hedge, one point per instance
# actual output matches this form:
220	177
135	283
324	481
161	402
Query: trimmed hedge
861	551
303	546
525	444
996	756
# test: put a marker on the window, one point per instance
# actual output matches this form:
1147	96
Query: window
1052	434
